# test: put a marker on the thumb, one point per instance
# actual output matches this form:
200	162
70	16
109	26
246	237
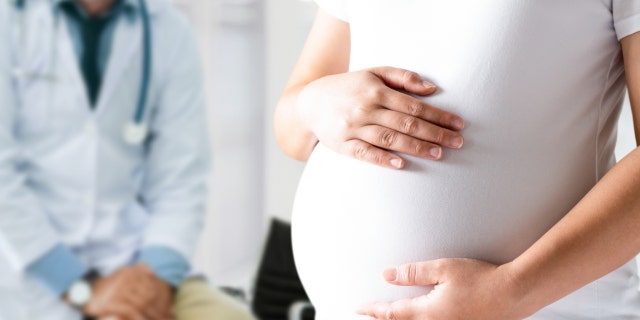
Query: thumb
401	79
414	274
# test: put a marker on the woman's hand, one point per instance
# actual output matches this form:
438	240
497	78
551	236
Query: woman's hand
366	114
462	289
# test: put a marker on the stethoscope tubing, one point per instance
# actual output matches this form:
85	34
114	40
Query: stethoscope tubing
146	63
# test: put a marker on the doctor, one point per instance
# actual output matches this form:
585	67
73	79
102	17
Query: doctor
103	161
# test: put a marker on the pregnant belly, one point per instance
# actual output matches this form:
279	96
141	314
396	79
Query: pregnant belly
352	220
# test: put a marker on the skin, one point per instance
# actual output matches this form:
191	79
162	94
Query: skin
569	256
96	8
368	113
132	292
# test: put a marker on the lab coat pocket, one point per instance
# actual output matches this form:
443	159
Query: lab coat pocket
134	219
12	307
40	304
34	115
9	277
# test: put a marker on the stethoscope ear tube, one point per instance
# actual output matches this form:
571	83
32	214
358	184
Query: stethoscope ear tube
146	63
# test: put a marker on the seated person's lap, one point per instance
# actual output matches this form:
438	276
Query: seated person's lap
197	300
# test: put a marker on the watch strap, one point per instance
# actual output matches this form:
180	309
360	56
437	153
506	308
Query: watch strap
91	276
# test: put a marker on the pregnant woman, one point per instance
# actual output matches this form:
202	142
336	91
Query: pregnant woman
468	146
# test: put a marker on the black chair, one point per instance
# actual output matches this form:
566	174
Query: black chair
278	292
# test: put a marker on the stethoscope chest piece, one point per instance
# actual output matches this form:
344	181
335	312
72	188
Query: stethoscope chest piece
135	133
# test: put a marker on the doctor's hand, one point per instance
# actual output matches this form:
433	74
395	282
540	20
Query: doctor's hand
131	293
366	114
462	289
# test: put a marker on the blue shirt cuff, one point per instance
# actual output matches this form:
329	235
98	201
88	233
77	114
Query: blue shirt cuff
58	269
166	263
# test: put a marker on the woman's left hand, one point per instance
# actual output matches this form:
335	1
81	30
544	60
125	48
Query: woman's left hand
462	289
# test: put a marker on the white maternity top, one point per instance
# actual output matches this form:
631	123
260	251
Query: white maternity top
540	84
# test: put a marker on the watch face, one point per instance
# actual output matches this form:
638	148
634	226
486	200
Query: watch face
80	293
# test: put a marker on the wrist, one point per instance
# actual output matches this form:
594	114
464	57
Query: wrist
518	291
304	106
306	138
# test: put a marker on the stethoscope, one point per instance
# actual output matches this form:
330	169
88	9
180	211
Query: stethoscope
135	131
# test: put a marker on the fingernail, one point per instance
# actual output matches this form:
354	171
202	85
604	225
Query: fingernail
398	163
390	274
428	85
457	124
361	310
456	142
435	152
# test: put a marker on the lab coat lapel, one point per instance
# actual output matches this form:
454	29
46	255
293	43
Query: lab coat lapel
126	46
55	53
39	40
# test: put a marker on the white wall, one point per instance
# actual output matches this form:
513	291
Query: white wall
200	15
248	49
287	25
231	40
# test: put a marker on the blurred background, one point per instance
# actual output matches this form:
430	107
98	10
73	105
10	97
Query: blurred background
248	49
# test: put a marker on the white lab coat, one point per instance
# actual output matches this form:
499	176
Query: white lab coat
67	174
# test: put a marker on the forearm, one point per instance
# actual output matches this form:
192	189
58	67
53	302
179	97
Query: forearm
177	164
292	133
325	53
597	236
176	223
28	241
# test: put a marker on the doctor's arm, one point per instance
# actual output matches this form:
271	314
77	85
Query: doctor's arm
363	114
597	236
27	240
177	166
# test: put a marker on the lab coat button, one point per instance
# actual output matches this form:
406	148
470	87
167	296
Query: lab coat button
90	128
89	200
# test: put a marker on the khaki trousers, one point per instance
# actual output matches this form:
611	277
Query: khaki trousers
197	300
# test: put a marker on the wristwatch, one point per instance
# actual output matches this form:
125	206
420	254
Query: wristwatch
80	291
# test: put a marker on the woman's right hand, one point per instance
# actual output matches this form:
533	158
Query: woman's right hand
368	114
